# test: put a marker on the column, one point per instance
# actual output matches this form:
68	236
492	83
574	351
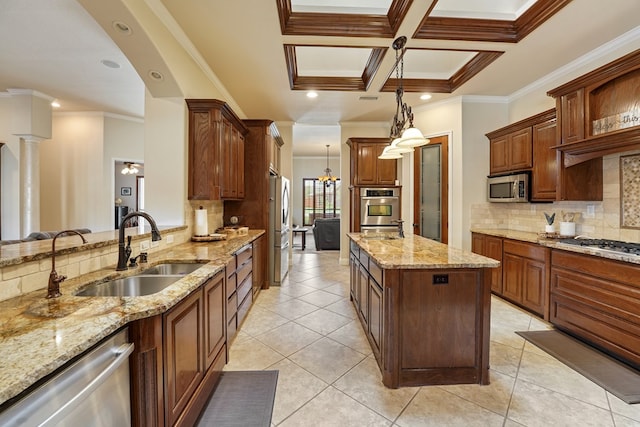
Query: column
30	184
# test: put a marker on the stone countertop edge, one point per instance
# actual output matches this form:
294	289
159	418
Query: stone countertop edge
527	236
19	253
39	335
416	252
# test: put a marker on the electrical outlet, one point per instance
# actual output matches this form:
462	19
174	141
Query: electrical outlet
155	244
591	211
169	239
144	245
440	279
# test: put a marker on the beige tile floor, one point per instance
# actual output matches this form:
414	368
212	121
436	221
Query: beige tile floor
308	331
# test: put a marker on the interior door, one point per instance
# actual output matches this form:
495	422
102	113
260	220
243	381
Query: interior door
431	190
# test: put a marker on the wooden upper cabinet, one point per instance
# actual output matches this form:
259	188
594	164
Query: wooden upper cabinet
216	142
545	163
598	112
572	107
366	168
511	152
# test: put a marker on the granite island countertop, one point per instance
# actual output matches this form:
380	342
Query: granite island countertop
39	335
416	252
541	239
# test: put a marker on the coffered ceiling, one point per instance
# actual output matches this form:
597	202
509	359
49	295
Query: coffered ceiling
267	54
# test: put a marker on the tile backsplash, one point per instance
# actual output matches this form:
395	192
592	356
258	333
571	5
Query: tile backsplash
630	191
601	219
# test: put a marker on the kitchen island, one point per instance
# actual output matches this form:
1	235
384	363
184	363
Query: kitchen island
425	309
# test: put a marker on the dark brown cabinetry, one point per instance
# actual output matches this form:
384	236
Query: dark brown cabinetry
215	301
259	267
596	115
239	288
178	357
366	292
510	152
544	175
550	180
253	210
184	351
523	276
489	246
366	168
597	300
216	151
525	280
414	340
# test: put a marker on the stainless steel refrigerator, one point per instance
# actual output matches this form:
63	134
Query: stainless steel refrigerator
279	199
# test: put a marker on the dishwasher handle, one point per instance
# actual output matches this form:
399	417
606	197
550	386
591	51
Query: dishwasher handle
123	353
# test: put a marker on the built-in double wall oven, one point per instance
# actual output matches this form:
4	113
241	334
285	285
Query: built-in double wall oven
379	208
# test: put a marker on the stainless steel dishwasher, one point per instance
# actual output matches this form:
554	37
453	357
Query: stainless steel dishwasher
92	391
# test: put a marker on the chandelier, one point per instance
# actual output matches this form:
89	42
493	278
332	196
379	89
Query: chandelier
130	168
327	177
404	135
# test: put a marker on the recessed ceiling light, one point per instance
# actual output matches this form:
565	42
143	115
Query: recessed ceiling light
312	94
55	104
110	64
156	75
425	96
121	27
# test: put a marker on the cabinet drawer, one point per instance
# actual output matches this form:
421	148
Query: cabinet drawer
232	306
364	259
376	272
245	288
526	250
231	266
231	284
244	307
232	327
242	273
355	249
244	255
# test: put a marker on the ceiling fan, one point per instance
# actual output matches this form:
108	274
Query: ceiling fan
130	168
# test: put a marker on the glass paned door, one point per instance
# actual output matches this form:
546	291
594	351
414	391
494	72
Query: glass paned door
320	199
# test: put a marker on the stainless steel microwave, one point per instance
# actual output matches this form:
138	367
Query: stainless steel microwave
508	188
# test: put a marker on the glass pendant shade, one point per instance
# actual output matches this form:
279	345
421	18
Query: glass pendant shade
412	137
387	154
396	149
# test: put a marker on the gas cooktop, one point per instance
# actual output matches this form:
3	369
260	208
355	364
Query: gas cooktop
605	244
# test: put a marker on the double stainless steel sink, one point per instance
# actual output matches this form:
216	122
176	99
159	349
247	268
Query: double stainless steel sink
149	281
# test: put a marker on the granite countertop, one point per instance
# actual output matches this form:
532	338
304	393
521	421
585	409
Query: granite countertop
414	252
541	239
37	335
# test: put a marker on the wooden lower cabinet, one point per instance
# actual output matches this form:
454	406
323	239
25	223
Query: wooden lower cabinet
178	358
525	279
241	286
597	300
489	246
214	319
184	351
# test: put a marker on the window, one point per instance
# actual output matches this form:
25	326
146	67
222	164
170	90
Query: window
320	200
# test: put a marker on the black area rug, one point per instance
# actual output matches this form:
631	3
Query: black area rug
241	399
612	375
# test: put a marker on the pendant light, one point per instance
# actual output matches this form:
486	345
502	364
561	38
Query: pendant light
327	177
404	134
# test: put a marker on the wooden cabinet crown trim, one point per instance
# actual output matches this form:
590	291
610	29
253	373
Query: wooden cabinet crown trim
225	109
529	121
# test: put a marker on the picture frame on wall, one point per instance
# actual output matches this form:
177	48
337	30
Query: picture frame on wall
125	191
